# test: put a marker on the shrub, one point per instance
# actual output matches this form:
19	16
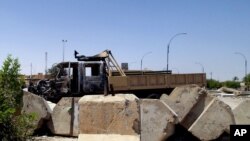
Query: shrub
13	124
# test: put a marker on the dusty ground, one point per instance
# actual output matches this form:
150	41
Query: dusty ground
55	138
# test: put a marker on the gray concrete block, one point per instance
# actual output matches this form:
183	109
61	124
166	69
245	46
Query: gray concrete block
242	112
37	105
183	99
157	120
64	119
213	121
117	114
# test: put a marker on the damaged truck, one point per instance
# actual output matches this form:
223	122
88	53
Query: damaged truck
101	74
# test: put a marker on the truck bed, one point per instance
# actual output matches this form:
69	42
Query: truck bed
154	81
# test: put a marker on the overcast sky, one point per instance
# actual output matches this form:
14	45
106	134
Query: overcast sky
216	29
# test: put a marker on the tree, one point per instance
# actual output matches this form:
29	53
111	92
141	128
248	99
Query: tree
235	78
231	84
213	84
246	79
53	71
13	124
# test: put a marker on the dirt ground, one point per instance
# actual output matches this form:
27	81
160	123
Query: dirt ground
55	138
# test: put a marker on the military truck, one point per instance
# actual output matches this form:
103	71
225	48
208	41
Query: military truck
101	74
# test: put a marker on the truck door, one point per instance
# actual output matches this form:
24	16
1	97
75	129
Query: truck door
93	81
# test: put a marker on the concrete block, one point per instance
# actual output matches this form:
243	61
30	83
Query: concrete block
183	98
242	112
117	114
36	104
213	121
157	120
64	119
196	111
229	90
233	102
107	137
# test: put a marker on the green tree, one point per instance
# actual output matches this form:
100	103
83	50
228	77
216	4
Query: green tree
13	124
235	78
246	79
54	70
231	84
213	84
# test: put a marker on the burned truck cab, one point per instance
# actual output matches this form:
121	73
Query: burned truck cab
79	78
93	77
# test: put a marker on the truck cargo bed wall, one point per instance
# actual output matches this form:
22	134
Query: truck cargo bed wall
156	81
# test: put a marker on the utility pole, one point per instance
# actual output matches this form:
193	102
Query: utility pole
64	41
46	61
30	71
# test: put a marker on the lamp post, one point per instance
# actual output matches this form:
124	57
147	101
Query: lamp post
201	66
245	61
170	43
46	61
63	41
176	70
143	57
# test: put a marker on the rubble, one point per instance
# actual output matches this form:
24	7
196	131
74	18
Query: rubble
37	105
157	120
117	114
64	119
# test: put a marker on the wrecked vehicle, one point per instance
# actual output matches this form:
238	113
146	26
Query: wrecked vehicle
101	74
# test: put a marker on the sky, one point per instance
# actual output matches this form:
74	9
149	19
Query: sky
216	29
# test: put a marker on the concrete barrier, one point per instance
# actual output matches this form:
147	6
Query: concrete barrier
64	119
107	137
242	112
117	114
183	99
215	119
157	120
37	105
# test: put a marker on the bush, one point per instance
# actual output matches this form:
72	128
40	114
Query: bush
13	124
213	84
231	84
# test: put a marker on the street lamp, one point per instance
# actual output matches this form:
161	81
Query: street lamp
245	61
63	41
201	66
143	57
176	70
169	45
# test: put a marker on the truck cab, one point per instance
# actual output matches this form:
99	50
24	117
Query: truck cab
93	77
78	78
